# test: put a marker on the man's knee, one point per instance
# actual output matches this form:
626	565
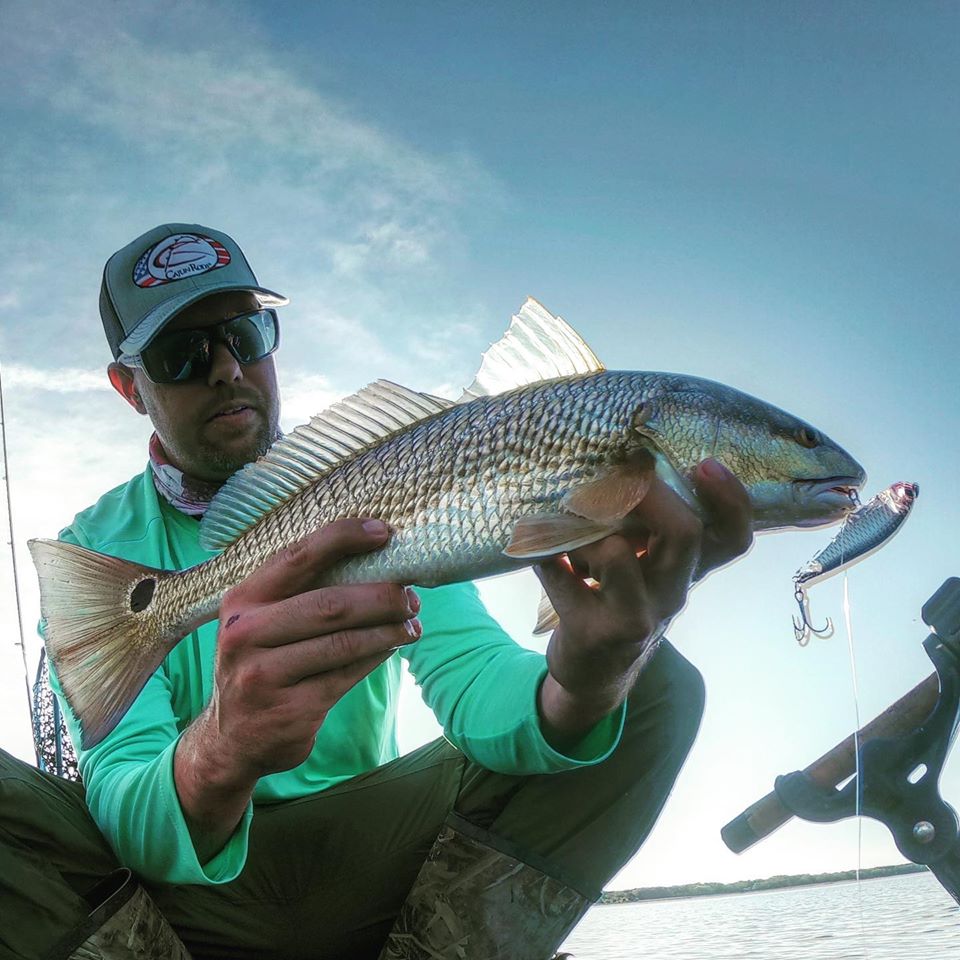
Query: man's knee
49	816
23	786
665	707
687	693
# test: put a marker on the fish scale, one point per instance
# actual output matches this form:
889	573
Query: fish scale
533	447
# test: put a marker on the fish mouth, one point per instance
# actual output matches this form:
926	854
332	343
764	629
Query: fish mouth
837	494
805	503
842	487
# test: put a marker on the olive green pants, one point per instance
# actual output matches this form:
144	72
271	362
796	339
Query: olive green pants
326	875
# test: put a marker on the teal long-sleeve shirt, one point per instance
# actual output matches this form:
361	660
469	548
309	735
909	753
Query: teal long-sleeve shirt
480	684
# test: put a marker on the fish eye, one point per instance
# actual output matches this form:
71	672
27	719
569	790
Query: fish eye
807	438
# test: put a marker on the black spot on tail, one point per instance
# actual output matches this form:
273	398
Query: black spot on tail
142	594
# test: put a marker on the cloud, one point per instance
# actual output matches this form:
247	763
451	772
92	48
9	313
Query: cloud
305	394
62	380
128	116
125	115
391	242
207	107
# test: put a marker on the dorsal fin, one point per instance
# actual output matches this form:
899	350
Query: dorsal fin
537	346
313	449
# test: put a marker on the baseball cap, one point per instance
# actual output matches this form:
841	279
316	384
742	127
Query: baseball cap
164	270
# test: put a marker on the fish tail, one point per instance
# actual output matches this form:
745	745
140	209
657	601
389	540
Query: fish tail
102	630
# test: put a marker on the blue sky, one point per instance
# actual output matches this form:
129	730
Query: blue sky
763	194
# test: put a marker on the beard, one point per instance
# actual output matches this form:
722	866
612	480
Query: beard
198	455
221	464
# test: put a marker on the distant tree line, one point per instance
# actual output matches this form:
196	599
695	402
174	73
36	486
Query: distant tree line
752	886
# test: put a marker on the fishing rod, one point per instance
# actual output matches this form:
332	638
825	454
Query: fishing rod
896	775
13	559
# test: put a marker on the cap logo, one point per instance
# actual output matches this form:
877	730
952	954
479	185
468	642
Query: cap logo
179	256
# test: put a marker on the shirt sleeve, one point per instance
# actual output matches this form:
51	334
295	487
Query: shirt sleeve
483	687
132	795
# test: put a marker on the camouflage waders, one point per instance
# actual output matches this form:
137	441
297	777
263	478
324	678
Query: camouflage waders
327	875
124	924
471	901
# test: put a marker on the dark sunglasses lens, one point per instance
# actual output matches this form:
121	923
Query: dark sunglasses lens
176	356
253	336
183	354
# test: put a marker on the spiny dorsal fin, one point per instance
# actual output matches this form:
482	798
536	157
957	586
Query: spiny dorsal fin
536	346
313	449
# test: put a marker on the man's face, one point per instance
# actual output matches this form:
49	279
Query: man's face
213	425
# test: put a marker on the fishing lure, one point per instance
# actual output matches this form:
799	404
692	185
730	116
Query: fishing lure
864	532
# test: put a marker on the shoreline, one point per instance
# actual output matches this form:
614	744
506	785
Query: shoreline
708	889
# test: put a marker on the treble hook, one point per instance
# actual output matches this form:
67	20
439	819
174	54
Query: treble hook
802	628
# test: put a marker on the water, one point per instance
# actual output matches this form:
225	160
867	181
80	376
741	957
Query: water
895	918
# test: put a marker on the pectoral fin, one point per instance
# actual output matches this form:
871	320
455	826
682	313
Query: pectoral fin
548	535
614	494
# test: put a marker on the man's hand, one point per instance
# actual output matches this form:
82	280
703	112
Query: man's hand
608	631
287	651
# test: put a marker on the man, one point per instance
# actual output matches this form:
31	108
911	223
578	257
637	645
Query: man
254	785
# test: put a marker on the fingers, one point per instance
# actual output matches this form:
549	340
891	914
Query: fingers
619	605
288	648
329	687
282	666
663	548
325	610
276	630
728	533
317	631
299	567
672	547
270	733
607	633
335	652
564	584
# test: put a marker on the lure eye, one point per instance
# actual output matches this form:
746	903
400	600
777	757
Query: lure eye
908	491
807	438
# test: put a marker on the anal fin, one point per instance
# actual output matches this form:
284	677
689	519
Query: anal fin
547	618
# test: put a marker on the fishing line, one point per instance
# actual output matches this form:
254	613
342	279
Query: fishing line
864	531
13	561
848	622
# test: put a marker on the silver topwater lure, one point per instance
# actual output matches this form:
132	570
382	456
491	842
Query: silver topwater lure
863	532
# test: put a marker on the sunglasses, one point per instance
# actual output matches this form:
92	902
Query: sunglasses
187	354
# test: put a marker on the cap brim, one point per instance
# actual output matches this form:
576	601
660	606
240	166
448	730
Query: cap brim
160	315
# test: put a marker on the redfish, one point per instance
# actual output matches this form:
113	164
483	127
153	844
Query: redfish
545	452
